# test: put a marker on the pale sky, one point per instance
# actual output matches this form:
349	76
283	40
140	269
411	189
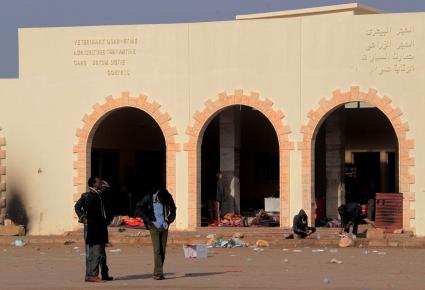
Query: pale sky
46	13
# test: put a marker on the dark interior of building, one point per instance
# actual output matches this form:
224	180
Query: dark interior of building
128	151
366	162
258	159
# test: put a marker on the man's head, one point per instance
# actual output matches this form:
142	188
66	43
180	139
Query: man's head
94	182
163	195
342	209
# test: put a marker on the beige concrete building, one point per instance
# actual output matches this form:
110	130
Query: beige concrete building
316	106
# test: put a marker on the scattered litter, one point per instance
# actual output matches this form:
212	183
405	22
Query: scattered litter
258	250
333	251
68	242
285	260
233	255
375	251
335	261
138	234
297	251
19	243
76	250
318	237
346	241
317	250
327	281
231	243
197	236
382	253
198	251
238	235
42	253
262	243
361	246
210	236
285	250
115	250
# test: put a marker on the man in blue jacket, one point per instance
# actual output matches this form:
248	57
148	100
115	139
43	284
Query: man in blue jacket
158	211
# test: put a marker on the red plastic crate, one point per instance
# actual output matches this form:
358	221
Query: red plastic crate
389	211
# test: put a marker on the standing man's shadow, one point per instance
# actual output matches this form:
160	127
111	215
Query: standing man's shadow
169	276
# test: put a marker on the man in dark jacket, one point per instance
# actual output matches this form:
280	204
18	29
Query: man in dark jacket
350	215
158	211
97	229
300	225
82	218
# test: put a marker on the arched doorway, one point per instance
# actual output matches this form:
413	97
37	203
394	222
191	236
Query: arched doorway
146	110
404	178
194	148
241	143
355	156
128	151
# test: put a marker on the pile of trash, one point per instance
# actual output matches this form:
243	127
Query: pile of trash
262	218
218	242
127	221
230	220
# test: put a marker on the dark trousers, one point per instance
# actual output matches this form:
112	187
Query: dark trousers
95	254
302	235
159	244
356	219
102	263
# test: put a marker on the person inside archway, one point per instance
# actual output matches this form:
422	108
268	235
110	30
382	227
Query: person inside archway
350	215
219	197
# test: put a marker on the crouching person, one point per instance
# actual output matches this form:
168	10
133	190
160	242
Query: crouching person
300	226
158	211
350	215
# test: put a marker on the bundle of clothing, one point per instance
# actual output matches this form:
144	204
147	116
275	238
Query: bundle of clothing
263	218
230	220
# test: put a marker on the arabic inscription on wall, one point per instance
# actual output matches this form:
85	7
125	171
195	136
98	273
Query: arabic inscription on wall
389	50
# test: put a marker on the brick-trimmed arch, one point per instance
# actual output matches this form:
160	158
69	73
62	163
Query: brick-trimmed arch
82	149
195	134
405	145
2	176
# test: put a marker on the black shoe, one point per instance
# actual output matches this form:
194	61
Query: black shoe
160	277
107	278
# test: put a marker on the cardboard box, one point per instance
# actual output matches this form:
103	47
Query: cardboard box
12	230
197	251
375	234
272	204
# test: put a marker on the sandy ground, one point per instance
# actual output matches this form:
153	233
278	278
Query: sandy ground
61	267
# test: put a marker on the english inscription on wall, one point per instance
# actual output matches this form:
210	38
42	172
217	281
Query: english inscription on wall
389	50
111	55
